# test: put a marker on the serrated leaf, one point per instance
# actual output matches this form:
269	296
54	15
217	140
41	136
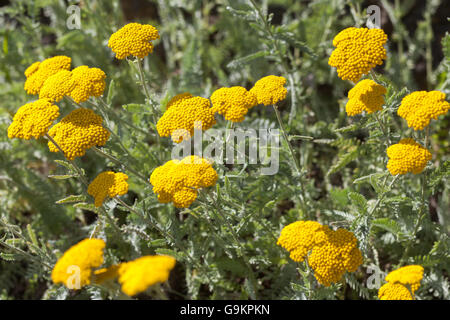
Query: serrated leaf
248	15
343	160
290	38
388	225
32	235
157	243
86	206
349	128
135	108
169	252
237	63
347	216
66	164
358	200
231	265
72	198
8	256
14	242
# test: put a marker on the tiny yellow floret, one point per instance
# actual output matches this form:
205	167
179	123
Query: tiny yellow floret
402	283
366	95
57	86
358	50
33	119
419	107
178	181
133	39
74	268
233	103
108	184
137	275
407	156
176	100
269	90
394	291
78	131
38	72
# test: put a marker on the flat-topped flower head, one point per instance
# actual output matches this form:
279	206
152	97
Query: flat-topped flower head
409	275
366	95
419	107
38	72
401	283
33	119
182	117
83	258
233	103
88	82
335	255
108	184
137	275
178	181
358	50
133	39
57	86
330	253
407	156
269	90
300	237
78	131
176	100
394	291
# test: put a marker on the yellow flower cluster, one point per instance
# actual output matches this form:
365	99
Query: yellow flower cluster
401	283
80	84
332	252
269	90
183	115
419	107
38	72
407	156
33	119
233	103
366	95
88	82
334	256
394	291
176	100
57	86
78	131
77	263
358	50
137	275
299	238
178	181
133	39
107	184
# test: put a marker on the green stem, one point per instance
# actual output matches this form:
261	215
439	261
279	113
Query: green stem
118	162
80	173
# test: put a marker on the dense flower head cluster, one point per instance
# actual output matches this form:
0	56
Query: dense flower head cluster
176	100
407	156
33	119
419	107
57	86
78	131
401	283
299	238
332	253
133	39
85	255
233	103
358	50
336	254
366	95
108	184
89	82
269	90
178	181
394	291
38	72
408	275
137	275
182	117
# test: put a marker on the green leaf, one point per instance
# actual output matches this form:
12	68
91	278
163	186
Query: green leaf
238	63
247	15
358	200
388	225
169	252
135	108
157	243
86	206
62	176
9	256
32	235
72	198
231	265
343	160
66	164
